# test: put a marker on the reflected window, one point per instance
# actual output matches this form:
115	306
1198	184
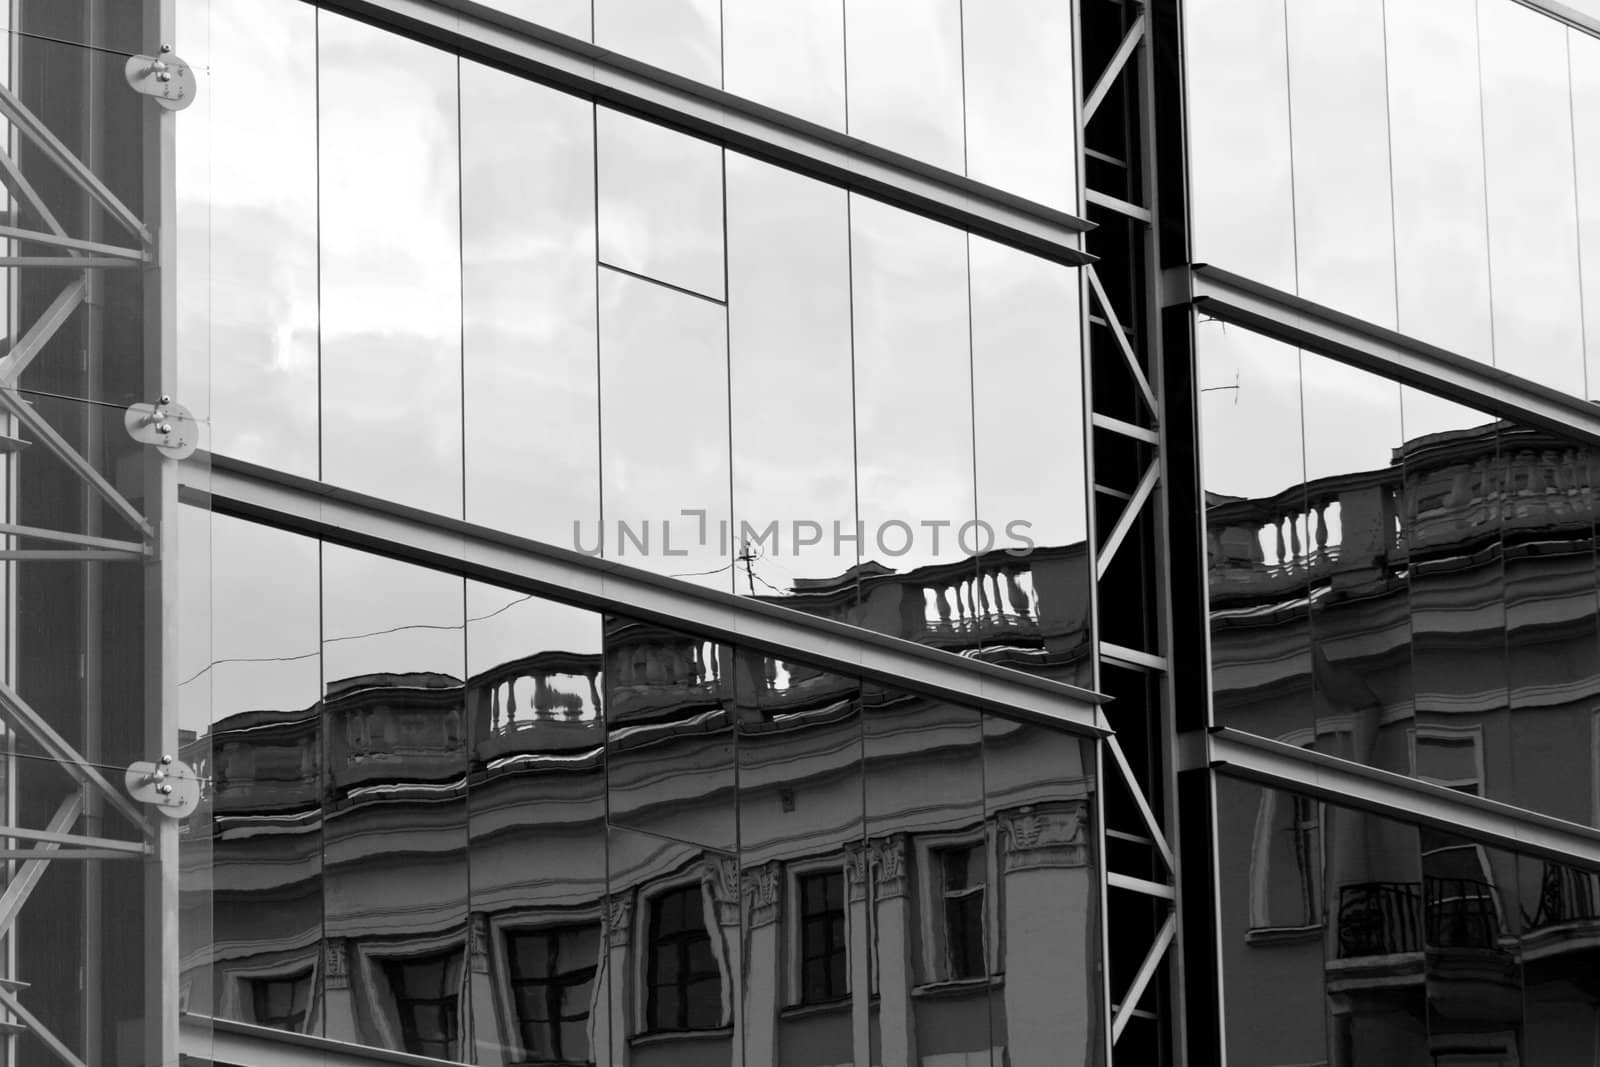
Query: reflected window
963	878
1286	864
552	986
685	986
823	948
427	1003
1459	905
281	1002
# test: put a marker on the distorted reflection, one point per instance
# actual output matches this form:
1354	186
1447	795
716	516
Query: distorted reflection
1358	939
610	842
1421	599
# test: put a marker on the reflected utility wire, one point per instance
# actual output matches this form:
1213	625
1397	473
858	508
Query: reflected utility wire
354	637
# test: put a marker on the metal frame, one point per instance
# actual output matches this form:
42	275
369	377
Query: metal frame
340	516
578	67
1354	785
1304	324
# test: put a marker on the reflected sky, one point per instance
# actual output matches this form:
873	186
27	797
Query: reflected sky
1416	163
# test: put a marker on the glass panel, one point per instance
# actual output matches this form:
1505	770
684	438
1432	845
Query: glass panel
673	873
537	841
1344	254
800	821
660	203
682	36
1427	947
265	753
1583	62
1552	639
925	810
395	870
666	697
903	72
1030	604
1039	793
793	436
247	210
1253	475
914	457
1018	87
663	409
1239	139
788	56
1274	928
1435	128
391	382
1457	490
1471	933
1533	251
530	373
1357	563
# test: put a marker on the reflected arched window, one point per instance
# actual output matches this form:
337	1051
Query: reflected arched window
684	981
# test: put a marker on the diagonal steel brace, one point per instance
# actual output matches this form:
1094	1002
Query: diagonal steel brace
39	1029
28	875
36	131
47	436
18	712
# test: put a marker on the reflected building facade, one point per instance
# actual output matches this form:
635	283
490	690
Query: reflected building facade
888	533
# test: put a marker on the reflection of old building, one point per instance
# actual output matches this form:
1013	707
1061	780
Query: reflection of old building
1437	619
669	851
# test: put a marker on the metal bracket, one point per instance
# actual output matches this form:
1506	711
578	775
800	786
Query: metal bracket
168	426
165	77
171	785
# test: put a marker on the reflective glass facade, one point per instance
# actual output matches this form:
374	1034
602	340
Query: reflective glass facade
545	533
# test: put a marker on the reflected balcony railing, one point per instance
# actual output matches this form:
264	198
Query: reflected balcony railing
1566	895
1379	919
1388	918
1441	493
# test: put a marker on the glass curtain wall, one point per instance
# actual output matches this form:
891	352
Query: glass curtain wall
472	824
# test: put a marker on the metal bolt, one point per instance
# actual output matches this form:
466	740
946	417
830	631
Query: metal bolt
164	76
166	48
164	789
164	401
166	759
165	427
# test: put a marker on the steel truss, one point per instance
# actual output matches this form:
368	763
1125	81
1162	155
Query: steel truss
149	247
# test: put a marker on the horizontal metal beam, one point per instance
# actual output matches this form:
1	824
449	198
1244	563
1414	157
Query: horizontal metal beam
1397	796
108	844
578	67
1565	13
211	1040
18	233
232	487
1345	338
37	860
63	537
